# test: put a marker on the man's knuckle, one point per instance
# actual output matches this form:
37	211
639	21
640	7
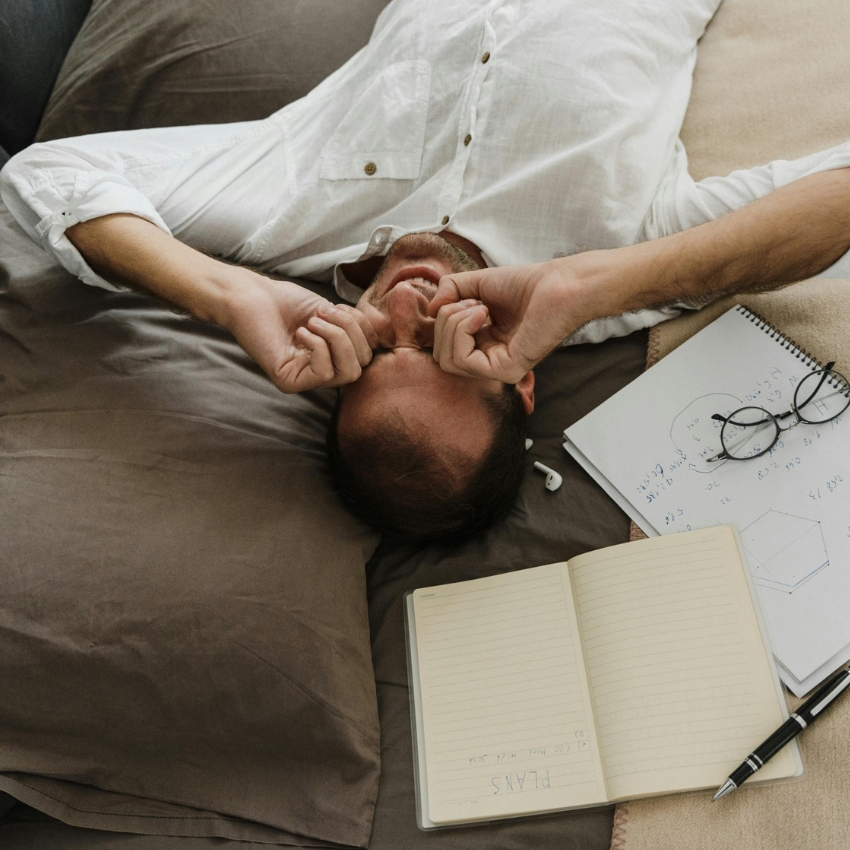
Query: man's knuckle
337	338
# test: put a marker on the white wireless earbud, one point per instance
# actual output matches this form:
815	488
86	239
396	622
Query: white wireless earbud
553	480
528	443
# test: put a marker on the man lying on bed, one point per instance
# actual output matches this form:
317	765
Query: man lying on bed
537	139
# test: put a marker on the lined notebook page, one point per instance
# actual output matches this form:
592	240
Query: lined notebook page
679	675
504	698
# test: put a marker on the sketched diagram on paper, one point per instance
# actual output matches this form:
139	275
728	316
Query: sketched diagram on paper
695	434
785	550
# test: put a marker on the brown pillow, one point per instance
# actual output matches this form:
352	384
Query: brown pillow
160	63
185	640
184	602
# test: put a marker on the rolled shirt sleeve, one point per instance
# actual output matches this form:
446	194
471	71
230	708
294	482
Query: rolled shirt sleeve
196	183
48	190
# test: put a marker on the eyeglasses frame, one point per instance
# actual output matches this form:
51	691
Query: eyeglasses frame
777	418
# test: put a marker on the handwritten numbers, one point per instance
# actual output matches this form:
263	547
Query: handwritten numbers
831	486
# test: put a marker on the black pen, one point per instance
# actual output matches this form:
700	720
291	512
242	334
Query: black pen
804	716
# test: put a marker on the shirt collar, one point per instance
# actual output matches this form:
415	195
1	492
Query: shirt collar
379	243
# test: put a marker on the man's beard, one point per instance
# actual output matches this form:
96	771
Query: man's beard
419	248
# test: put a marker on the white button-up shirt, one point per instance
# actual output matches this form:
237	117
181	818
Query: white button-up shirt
533	128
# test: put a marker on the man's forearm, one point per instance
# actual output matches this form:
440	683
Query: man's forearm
299	339
791	234
130	250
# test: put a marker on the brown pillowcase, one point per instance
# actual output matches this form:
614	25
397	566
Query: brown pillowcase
185	639
183	608
160	63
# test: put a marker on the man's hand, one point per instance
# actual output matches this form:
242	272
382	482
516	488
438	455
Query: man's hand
499	323
300	340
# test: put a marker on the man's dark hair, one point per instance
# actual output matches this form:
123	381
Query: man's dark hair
399	481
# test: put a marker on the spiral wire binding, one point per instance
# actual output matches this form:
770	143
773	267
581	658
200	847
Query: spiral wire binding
786	342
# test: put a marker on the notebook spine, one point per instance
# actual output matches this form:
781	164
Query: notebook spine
785	341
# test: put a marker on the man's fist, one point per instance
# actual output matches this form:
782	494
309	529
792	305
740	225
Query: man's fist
499	323
302	341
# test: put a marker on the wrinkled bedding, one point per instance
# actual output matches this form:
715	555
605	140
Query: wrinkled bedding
158	497
205	645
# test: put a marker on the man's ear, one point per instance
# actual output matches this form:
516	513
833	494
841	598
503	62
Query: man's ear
525	387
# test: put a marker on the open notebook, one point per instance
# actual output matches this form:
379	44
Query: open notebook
635	670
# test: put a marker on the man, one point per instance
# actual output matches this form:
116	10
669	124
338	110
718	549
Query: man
535	138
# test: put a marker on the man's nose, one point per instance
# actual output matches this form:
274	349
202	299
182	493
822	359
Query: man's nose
408	310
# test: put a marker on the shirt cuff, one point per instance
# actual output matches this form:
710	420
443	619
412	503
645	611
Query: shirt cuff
601	329
49	212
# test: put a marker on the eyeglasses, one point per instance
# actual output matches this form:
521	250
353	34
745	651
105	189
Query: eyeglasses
753	431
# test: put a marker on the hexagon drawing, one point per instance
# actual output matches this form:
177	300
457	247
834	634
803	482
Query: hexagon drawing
785	550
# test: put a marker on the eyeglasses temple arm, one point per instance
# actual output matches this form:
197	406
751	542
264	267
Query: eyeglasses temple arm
816	390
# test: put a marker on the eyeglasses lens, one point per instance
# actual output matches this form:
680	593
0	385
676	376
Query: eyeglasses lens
822	396
748	432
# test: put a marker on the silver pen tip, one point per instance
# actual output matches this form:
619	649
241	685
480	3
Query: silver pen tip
726	788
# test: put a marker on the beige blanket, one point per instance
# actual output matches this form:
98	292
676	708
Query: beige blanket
772	81
810	813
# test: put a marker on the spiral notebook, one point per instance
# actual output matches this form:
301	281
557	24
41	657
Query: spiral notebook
648	445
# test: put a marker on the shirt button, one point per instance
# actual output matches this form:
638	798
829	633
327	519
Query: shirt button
370	168
485	58
467	140
445	219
